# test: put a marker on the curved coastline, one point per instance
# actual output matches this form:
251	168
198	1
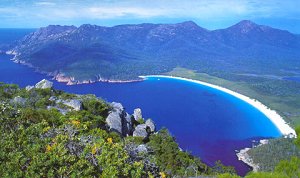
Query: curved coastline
274	117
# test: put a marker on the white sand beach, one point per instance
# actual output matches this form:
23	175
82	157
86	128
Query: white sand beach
278	121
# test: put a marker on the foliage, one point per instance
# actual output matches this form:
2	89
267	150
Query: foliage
171	160
297	140
291	167
269	155
219	168
8	90
266	175
227	175
38	142
285	169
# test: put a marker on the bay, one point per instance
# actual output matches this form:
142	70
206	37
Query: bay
207	122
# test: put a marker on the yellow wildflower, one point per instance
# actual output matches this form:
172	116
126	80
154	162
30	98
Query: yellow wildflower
48	148
109	140
46	129
162	175
150	175
94	150
75	122
137	163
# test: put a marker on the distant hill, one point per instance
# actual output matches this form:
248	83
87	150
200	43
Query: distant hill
124	52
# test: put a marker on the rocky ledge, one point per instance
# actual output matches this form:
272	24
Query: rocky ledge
125	124
69	80
118	120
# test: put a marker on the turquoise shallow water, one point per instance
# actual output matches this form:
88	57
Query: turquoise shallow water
206	122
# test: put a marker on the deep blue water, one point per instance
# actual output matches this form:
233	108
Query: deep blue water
296	78
9	35
206	122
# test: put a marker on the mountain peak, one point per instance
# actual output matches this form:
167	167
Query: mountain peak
190	23
246	23
58	27
244	26
88	26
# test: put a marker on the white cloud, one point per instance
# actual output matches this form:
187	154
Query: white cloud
113	12
45	3
53	11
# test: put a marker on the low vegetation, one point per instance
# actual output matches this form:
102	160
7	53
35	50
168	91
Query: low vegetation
269	155
40	138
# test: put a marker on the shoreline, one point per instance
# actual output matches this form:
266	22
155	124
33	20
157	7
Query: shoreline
272	115
61	78
246	158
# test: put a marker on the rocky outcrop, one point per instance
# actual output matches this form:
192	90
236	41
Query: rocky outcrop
125	124
74	104
149	123
244	156
53	98
44	84
118	120
140	131
137	114
18	100
29	87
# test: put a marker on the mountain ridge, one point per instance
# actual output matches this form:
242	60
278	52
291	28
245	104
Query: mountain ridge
152	48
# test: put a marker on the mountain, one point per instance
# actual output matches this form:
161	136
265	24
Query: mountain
124	52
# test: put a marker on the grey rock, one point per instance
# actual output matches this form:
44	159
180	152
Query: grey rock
58	101
53	98
114	122
140	131
142	149
44	84
117	106
127	126
75	104
150	124
29	87
74	148
18	100
86	139
121	122
116	119
137	114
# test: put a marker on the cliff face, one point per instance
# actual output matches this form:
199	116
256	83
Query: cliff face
97	53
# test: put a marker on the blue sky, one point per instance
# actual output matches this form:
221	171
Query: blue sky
210	14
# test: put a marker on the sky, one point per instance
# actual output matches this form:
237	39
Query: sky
210	14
